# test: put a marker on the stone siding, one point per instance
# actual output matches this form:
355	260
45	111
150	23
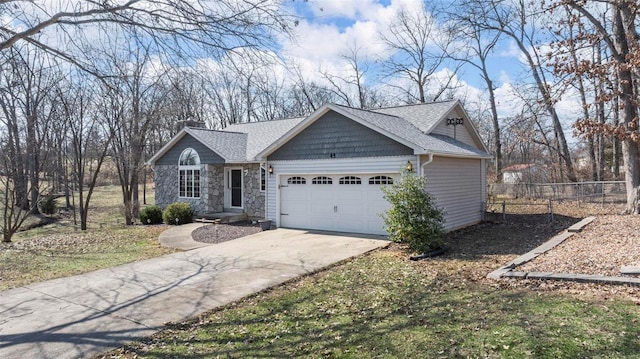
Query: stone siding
253	197
166	181
215	190
211	189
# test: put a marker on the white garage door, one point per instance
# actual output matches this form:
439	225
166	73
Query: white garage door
344	203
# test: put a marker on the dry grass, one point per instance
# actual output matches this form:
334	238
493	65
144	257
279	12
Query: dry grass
60	249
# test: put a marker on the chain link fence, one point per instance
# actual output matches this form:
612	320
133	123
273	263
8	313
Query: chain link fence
605	192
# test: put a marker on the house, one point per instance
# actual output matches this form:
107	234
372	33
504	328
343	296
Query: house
524	173
324	171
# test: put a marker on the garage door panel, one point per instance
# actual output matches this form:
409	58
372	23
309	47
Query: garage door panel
349	194
322	222
334	207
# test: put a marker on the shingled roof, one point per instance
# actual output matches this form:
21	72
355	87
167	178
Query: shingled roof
412	125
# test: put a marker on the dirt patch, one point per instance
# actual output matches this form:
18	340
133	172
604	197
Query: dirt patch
602	247
217	233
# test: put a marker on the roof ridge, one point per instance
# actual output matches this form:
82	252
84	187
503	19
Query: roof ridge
367	110
212	130
415	104
265	121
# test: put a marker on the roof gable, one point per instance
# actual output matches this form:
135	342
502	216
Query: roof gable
334	135
226	146
172	153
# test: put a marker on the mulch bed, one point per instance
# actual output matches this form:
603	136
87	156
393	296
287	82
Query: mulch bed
217	233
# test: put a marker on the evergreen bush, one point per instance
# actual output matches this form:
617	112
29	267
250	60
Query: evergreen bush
49	205
180	210
413	217
150	215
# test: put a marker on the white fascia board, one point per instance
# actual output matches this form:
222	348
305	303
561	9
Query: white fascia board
166	147
457	155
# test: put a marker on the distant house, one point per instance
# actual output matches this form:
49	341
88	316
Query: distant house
324	171
524	173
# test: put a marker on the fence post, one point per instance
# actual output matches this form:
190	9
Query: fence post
504	213
550	211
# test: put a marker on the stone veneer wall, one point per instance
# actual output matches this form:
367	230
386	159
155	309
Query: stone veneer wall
215	189
166	181
253	197
211	189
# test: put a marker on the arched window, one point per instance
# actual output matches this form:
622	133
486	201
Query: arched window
189	173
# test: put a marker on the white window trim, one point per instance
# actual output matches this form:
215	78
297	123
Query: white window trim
263	177
190	168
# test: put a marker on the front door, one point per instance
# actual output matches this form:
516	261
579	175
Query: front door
233	193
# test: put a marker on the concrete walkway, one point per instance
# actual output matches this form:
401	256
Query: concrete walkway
87	314
180	237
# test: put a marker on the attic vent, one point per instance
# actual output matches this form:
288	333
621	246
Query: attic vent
455	121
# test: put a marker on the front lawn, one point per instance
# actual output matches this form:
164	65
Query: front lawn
60	249
383	305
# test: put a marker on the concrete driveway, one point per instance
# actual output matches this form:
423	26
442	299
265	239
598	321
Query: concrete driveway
87	314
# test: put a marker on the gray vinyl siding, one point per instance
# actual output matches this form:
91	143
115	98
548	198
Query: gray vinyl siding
460	132
376	165
206	155
457	185
334	133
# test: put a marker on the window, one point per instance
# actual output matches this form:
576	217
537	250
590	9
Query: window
380	180
296	180
189	174
322	180
263	178
350	180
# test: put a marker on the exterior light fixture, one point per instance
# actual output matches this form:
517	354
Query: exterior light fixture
270	170
409	166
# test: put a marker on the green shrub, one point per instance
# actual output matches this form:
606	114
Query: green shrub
413	217
48	205
150	215
180	210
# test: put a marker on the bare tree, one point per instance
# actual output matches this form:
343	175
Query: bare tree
350	85
178	26
419	49
479	43
88	136
133	103
623	45
519	21
27	114
12	216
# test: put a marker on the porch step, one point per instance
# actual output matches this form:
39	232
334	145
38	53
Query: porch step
221	217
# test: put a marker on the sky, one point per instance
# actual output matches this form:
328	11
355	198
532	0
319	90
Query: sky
330	27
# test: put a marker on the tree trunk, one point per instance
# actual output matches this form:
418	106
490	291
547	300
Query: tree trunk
497	143
630	151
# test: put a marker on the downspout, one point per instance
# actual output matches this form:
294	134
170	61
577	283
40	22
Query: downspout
422	166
